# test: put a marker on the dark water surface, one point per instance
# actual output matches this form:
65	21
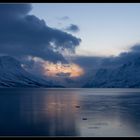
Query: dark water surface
69	112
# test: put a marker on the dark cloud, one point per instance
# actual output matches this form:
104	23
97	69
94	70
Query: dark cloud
131	55
72	28
14	10
92	64
135	48
27	35
88	62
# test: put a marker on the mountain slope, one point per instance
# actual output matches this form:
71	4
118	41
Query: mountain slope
13	75
126	75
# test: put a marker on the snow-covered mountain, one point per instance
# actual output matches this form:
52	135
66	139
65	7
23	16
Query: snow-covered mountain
12	74
126	75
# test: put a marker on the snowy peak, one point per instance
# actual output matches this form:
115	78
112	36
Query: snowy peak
124	76
13	75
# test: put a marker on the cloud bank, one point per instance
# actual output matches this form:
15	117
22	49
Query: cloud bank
72	28
23	34
92	64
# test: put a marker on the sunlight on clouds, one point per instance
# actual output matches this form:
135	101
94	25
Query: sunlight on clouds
59	69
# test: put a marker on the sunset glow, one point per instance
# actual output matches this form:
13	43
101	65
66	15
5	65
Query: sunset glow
59	69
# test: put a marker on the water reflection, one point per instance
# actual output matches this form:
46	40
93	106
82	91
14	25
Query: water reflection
52	114
72	112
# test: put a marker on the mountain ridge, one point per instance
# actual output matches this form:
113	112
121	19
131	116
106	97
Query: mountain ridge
126	75
12	74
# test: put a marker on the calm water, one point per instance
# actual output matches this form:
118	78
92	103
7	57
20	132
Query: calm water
54	112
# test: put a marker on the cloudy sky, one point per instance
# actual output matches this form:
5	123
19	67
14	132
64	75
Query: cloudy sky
60	40
105	29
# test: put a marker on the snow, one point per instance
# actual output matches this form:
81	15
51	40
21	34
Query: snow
12	74
125	76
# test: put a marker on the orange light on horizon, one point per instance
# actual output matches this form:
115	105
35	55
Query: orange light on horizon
73	70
